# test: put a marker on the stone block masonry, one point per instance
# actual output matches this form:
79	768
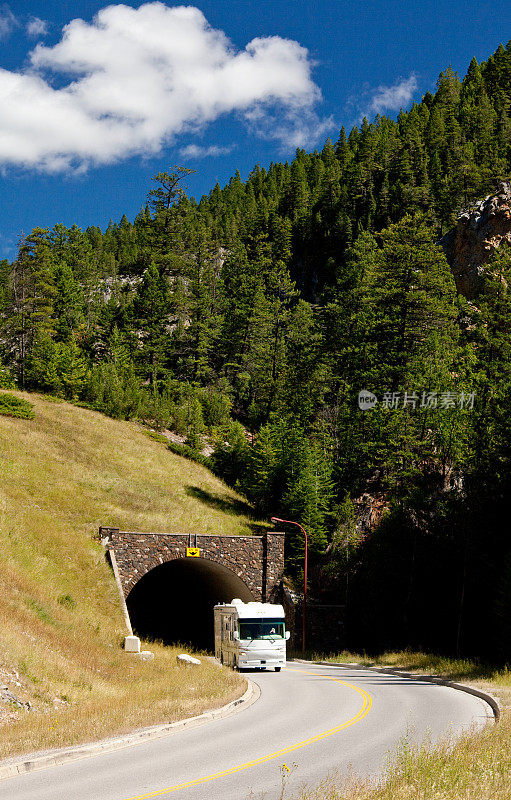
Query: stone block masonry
257	560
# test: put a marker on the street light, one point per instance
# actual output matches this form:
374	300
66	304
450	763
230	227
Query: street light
304	606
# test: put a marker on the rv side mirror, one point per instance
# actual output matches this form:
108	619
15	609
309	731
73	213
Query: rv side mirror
288	634
235	635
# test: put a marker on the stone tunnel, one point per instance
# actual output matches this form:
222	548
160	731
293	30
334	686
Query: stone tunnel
171	581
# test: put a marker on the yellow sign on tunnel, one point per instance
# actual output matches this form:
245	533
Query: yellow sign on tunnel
193	552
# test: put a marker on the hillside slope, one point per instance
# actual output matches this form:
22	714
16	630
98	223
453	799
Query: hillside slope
62	475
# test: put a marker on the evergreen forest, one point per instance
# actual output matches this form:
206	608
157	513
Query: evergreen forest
247	323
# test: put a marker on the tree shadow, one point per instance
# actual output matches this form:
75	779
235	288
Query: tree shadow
227	504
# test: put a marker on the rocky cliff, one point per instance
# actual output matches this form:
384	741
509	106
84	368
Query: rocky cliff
479	231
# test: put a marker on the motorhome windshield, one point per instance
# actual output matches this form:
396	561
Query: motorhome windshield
262	629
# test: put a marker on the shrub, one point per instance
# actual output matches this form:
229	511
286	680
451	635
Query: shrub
188	452
216	408
12	406
153	411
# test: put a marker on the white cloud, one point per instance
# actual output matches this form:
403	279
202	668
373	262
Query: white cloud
393	98
37	27
196	151
136	78
294	126
7	21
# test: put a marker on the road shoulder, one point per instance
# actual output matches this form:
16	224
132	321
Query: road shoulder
51	758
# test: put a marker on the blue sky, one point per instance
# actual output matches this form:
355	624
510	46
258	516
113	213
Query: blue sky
89	115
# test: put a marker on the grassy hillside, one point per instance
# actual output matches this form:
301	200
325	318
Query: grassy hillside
62	475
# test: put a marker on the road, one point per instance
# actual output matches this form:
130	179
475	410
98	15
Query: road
320	718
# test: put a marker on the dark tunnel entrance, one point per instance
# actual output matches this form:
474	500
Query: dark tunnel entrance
174	602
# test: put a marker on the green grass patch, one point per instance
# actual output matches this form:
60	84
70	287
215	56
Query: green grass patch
157	437
67	601
12	406
41	612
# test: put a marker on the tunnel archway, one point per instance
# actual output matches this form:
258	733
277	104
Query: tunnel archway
174	601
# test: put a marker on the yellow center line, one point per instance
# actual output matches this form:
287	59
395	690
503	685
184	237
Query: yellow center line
366	705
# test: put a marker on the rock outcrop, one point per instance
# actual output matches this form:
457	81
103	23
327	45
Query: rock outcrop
479	231
369	509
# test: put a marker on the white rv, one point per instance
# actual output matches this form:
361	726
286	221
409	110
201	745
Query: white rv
250	635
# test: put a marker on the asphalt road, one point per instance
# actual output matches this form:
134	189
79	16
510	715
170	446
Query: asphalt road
322	719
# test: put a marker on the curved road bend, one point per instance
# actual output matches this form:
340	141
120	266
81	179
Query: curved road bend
320	718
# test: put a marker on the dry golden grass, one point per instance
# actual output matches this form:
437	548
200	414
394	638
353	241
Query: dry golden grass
115	695
476	766
61	476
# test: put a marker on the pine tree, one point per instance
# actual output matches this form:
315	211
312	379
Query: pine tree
262	472
203	305
308	493
42	368
152	310
166	192
413	297
72	369
18	303
67	303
